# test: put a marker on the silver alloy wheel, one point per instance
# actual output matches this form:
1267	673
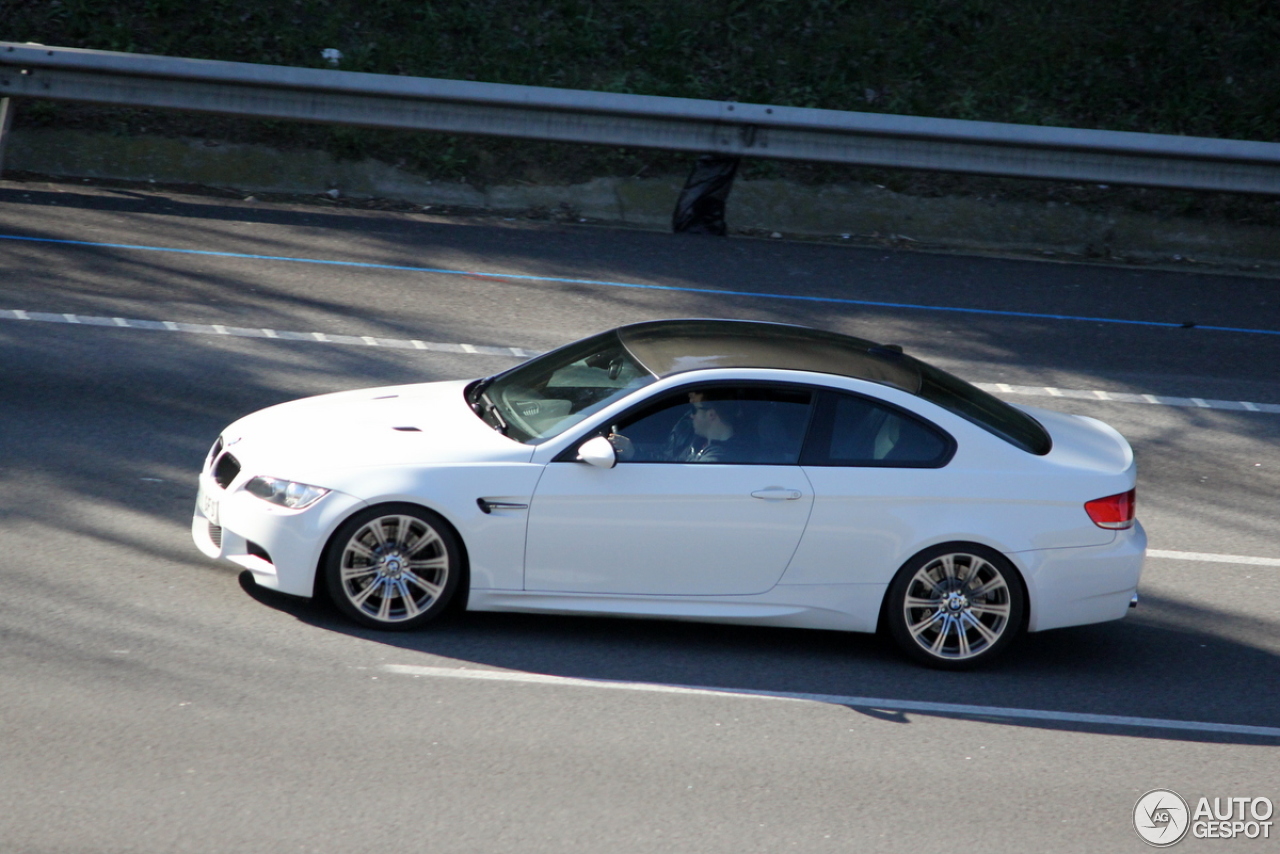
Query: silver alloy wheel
394	568
957	606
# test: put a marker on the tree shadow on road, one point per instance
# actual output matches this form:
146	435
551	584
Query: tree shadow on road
92	415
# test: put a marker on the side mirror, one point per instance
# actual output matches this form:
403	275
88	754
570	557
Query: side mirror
598	452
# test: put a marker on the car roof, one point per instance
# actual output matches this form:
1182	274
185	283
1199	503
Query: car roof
667	347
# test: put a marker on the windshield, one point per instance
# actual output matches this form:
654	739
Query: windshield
550	393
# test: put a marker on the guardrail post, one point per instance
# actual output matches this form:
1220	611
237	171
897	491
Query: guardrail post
6	120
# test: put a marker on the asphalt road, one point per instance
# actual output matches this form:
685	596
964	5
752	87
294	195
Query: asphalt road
153	701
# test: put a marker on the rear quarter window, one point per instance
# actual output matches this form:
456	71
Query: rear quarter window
857	431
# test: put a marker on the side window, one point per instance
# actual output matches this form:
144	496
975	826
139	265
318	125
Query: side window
857	431
761	425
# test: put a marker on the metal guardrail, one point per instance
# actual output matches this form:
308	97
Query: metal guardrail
644	121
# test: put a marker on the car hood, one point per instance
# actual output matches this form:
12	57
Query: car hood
407	425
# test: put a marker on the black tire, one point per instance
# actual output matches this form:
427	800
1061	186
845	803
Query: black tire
955	606
393	567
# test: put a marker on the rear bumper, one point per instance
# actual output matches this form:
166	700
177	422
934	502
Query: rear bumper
1078	586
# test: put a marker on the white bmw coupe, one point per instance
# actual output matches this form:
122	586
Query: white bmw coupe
711	470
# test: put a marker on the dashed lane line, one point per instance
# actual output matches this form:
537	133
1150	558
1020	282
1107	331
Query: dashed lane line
1125	397
518	352
274	334
987	713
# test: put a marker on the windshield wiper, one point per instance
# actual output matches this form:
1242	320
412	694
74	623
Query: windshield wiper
492	410
473	395
484	407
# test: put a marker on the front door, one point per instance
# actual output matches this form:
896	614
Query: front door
707	500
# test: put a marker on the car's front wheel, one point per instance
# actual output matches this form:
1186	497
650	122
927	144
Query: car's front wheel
955	606
393	567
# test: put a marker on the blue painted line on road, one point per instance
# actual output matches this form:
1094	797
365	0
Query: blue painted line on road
637	286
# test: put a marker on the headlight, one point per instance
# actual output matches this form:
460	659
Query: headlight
285	493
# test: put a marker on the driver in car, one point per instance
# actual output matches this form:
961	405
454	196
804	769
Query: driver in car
705	434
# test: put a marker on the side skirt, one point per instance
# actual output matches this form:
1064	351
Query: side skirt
842	607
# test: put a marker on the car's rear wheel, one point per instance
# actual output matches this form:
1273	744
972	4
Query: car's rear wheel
955	606
393	567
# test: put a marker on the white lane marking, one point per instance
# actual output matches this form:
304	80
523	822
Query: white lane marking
238	332
518	352
834	699
543	679
1125	397
1205	557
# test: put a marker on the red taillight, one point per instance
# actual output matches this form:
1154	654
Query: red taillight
1114	511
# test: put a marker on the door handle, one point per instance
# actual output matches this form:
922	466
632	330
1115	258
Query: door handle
776	493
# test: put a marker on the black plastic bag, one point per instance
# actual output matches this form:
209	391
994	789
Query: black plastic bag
700	208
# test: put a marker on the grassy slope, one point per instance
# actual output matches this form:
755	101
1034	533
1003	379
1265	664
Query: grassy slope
1199	67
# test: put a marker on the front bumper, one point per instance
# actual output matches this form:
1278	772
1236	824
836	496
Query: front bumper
1078	586
281	547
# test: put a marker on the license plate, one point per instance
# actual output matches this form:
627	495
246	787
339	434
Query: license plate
208	505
